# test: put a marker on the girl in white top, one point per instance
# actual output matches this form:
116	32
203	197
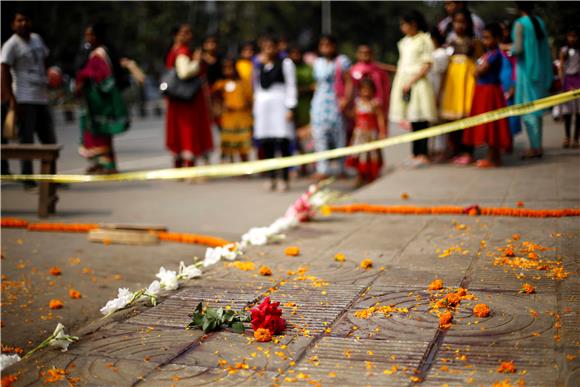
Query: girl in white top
438	144
275	96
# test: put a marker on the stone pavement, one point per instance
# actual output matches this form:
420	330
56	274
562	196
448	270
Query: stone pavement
327	342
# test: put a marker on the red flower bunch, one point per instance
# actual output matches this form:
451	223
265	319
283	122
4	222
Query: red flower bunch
267	316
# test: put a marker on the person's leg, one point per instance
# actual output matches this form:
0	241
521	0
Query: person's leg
268	146
284	145
44	126
567	128
5	165
533	125
27	117
339	140
576	129
320	138
420	147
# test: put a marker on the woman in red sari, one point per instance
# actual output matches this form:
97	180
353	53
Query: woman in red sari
188	123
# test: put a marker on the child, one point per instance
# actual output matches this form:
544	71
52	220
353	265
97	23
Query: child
570	73
236	117
436	77
369	126
412	98
275	96
507	75
489	96
460	81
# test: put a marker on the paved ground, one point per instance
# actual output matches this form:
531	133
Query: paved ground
326	342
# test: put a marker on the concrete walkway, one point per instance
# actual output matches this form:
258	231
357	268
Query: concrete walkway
327	342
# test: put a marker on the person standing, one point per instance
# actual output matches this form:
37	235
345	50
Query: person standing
533	71
569	70
25	86
445	26
275	97
188	123
103	112
412	97
327	121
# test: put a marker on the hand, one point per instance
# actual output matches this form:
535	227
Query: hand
196	56
407	88
342	104
289	115
12	102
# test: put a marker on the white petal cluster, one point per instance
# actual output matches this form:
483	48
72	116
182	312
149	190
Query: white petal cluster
215	254
124	296
168	279
61	339
8	360
153	289
188	272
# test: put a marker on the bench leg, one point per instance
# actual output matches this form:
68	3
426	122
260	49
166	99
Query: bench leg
47	191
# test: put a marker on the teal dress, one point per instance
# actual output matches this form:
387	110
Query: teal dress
533	72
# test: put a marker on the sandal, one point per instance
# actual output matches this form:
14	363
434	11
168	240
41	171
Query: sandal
463	160
532	154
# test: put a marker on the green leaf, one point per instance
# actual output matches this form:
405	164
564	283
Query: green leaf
199	307
238	327
206	324
211	313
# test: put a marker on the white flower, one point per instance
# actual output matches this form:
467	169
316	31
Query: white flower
153	289
230	251
257	236
212	256
7	360
168	279
61	339
282	224
124	296
188	272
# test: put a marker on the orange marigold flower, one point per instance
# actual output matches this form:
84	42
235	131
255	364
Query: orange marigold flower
292	251
54	375
532	256
509	252
453	299
366	264
445	320
265	271
481	310
8	380
520	204
73	293
528	288
507	367
436	285
516	237
55	270
404	196
461	292
339	257
263	335
55	304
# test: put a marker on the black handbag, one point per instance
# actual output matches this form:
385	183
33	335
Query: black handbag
181	89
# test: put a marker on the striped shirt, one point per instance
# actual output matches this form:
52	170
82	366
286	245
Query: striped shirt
26	61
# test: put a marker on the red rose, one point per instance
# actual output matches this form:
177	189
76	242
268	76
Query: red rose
267	316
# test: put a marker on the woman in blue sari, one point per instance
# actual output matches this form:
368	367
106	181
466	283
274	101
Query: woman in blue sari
533	71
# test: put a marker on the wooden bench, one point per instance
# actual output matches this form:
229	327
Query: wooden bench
47	154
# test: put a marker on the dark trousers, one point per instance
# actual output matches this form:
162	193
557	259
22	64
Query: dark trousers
420	146
457	145
5	168
271	146
568	126
34	119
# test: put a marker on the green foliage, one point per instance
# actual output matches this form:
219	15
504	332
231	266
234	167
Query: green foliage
211	319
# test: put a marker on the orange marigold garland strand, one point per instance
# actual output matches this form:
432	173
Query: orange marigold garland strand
453	210
86	227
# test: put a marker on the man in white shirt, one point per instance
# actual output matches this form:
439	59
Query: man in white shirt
445	26
24	85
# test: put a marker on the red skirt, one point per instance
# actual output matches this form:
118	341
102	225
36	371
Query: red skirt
496	133
189	126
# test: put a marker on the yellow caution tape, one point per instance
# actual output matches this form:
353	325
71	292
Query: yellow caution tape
252	167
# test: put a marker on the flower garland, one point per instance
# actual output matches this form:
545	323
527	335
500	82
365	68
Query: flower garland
452	210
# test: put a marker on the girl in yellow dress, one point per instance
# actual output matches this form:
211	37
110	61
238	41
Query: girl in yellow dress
236	117
460	80
412	98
